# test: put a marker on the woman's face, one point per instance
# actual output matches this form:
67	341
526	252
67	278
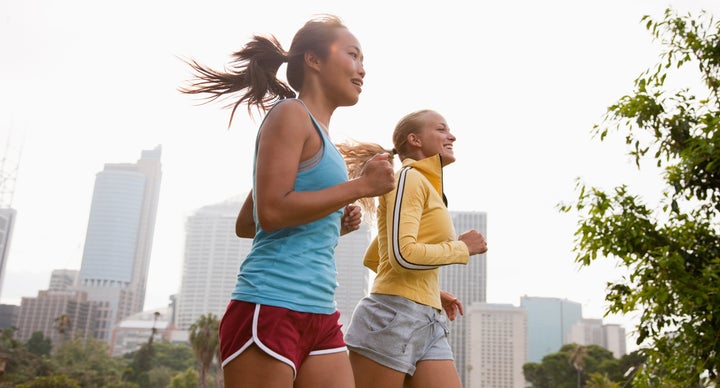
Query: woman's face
342	71
435	138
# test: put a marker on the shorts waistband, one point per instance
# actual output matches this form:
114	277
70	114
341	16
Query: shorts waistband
400	303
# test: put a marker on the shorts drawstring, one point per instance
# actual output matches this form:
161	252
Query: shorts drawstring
431	323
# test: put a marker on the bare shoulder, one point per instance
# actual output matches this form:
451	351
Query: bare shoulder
288	118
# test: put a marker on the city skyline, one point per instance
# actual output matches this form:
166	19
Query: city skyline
520	84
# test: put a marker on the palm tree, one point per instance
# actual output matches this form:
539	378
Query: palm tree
205	343
63	325
577	360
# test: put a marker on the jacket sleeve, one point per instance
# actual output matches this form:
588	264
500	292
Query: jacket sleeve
404	215
372	256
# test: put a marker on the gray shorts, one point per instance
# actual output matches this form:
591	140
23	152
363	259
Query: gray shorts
397	332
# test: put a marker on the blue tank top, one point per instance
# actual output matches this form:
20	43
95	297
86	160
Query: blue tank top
294	267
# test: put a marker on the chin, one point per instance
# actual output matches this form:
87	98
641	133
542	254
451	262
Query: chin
350	101
448	159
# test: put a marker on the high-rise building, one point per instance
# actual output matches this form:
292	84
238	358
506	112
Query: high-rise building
593	332
7	221
586	332
8	315
466	282
352	276
213	254
615	339
549	321
496	346
63	279
59	315
118	243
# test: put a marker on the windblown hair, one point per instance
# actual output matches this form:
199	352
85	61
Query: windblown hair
356	154
252	72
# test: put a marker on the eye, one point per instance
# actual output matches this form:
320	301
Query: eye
353	54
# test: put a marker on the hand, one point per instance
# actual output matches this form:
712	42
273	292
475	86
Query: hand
451	305
351	218
475	242
379	175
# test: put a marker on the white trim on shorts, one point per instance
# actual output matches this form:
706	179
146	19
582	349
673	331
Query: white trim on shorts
255	339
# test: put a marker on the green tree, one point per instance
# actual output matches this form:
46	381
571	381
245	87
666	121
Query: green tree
21	365
159	376
54	381
88	362
176	357
671	249
38	344
186	379
205	342
142	362
599	380
557	370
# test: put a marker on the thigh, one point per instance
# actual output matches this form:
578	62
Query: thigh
434	374
370	374
325	371
254	368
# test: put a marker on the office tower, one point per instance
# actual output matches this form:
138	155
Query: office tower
118	243
8	315
549	321
59	315
7	221
352	275
466	282
586	332
496	346
615	339
593	332
63	279
213	254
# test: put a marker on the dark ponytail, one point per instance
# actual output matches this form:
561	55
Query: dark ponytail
254	68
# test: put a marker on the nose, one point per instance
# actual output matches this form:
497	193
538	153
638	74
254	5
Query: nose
451	137
361	70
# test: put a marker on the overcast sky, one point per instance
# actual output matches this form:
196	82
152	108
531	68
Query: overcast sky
521	84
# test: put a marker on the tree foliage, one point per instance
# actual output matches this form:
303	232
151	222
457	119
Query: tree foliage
38	344
588	364
22	365
88	362
54	381
671	250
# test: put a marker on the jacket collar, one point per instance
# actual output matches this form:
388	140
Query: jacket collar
431	168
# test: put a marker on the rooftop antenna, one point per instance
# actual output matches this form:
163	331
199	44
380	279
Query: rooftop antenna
9	164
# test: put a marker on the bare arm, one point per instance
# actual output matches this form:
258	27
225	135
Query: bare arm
245	224
286	138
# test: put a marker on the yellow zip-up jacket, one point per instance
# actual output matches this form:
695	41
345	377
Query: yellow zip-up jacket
415	235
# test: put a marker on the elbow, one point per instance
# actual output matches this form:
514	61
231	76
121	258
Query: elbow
270	221
244	233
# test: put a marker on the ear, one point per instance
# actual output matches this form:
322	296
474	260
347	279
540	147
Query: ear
414	140
312	60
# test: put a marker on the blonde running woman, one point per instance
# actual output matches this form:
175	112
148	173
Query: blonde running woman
398	335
